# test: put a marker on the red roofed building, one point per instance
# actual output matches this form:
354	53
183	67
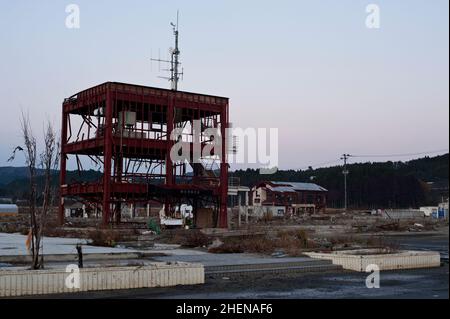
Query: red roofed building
296	197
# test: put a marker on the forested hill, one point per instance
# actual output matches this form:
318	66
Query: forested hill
371	185
384	184
14	181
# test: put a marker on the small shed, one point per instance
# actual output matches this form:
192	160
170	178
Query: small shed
9	210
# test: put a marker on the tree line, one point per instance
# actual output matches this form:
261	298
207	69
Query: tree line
371	185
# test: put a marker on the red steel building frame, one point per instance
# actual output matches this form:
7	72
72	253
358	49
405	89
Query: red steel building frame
134	161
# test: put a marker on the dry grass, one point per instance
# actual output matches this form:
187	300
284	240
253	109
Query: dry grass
14	228
292	243
295	242
104	237
186	238
52	229
241	244
267	217
350	241
195	238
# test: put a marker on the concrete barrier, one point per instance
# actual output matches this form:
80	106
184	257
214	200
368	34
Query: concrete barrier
358	260
26	259
403	214
51	281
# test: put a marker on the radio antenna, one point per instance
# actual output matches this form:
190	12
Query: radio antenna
174	59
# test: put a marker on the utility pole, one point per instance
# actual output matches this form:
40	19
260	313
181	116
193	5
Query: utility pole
345	172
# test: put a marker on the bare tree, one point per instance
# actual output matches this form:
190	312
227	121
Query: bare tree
49	163
49	159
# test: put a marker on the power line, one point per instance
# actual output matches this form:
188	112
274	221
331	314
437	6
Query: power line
401	155
315	166
320	164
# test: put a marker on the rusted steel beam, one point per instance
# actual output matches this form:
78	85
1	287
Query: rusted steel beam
151	143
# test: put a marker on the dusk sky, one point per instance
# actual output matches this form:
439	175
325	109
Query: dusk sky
312	69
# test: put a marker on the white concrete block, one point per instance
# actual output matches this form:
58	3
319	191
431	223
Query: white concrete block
49	281
358	260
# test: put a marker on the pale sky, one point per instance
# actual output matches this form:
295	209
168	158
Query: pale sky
312	69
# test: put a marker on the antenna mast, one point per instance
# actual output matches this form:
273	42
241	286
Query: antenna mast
174	59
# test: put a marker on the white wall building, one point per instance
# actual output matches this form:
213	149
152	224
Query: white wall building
428	211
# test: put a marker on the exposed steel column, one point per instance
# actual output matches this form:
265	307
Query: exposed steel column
169	165
107	157
62	169
223	221
118	161
170	125
161	106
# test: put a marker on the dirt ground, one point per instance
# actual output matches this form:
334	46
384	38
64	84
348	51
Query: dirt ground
292	236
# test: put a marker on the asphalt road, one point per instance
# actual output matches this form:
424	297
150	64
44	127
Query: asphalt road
423	283
417	241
